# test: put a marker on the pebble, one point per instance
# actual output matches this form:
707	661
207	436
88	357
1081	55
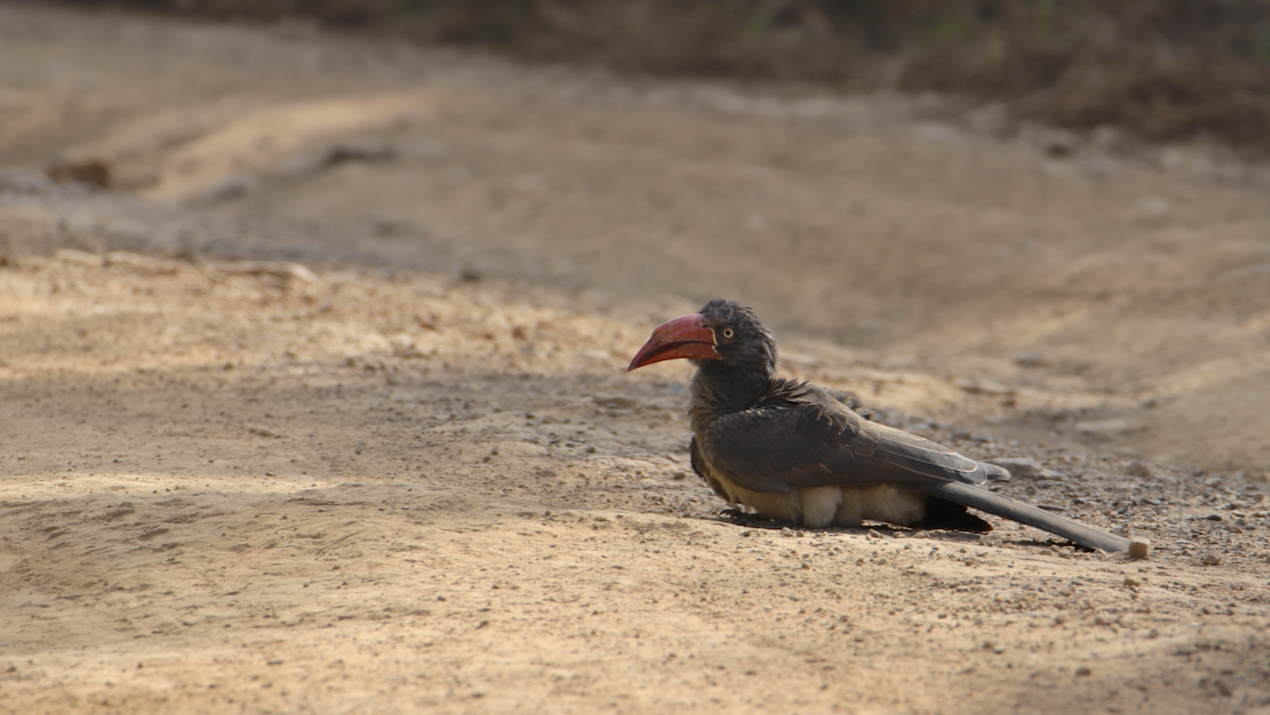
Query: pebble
1108	427
1029	360
1138	468
613	401
262	431
88	170
230	187
1024	467
1140	548
1210	559
359	151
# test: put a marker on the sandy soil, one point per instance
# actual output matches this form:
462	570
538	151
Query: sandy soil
321	406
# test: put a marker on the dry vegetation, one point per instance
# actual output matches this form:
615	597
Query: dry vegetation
1165	69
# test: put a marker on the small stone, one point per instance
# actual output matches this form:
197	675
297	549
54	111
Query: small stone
1024	467
1029	360
619	401
263	431
1132	582
1107	428
230	187
984	386
1058	143
403	346
359	151
1138	468
1083	672
87	170
1140	548
1210	559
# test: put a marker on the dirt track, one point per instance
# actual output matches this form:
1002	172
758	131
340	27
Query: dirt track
414	476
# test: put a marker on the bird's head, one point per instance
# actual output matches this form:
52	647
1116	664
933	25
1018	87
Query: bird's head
723	335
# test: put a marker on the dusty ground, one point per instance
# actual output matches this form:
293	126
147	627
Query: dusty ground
414	477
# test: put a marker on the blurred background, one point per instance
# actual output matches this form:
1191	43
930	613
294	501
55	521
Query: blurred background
1051	217
1166	69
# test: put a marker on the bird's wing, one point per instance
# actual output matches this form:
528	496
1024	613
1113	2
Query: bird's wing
808	438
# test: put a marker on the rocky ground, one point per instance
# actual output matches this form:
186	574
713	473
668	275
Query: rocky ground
320	406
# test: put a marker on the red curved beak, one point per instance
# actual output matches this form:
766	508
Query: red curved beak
685	337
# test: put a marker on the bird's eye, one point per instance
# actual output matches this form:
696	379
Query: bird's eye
729	333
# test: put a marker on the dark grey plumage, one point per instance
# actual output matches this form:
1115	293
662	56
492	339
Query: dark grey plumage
794	451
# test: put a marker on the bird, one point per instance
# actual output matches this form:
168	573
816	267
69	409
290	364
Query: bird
799	453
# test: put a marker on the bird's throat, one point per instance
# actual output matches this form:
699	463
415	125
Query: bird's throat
719	389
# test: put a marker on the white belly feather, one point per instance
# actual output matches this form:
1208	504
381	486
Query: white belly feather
830	505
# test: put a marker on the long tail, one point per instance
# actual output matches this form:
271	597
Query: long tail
984	500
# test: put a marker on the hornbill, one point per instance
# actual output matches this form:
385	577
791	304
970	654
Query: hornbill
800	453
